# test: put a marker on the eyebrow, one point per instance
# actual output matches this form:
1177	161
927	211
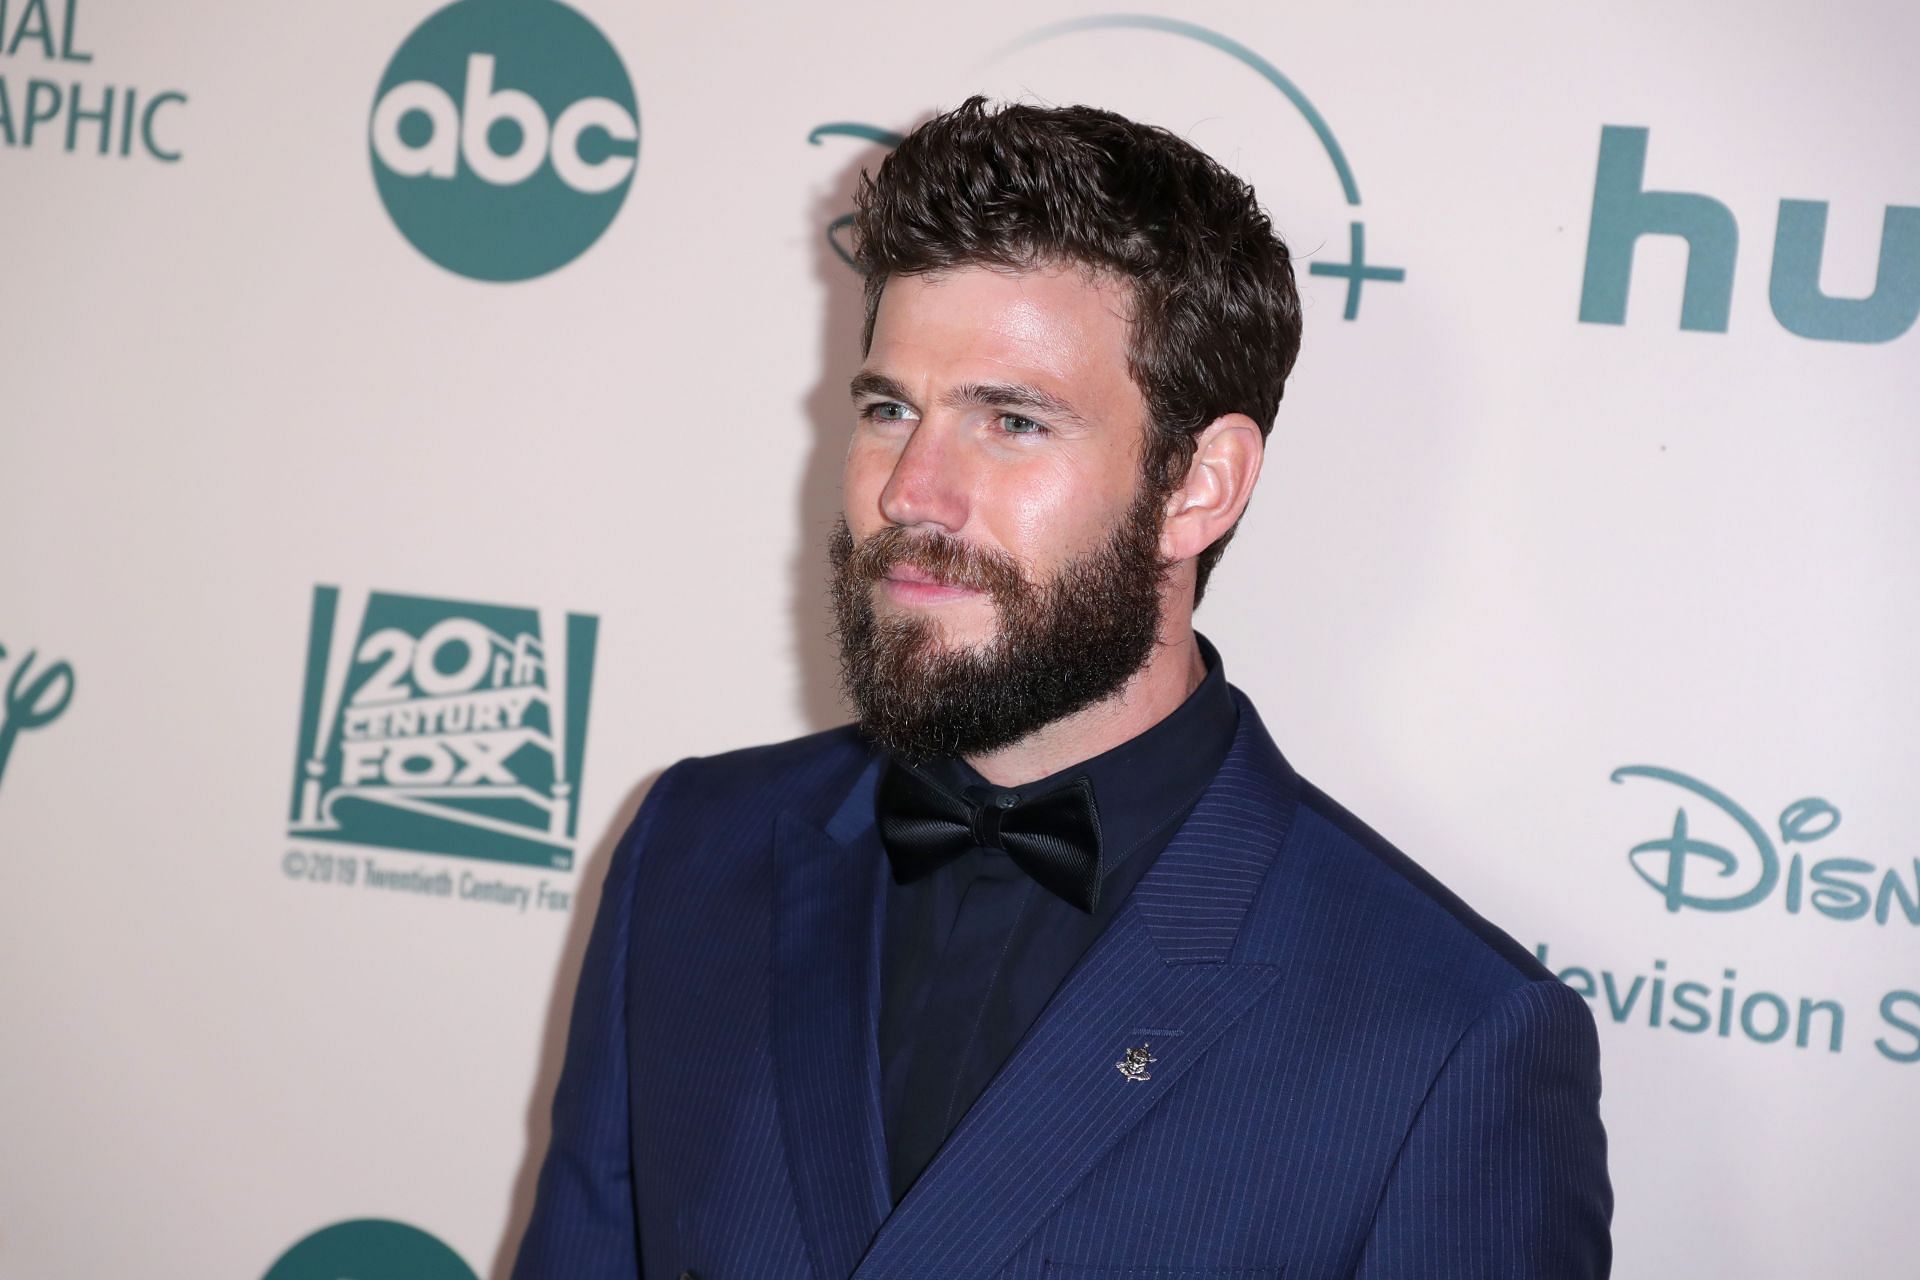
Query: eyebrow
1008	395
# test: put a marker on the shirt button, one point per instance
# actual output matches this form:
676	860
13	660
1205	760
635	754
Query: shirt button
689	1275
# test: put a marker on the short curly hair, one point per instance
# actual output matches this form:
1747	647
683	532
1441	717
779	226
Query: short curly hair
1215	316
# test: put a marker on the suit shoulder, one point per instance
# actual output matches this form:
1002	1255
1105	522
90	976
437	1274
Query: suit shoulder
1402	916
842	743
797	773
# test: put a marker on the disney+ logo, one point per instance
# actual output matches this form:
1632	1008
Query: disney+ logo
1691	871
32	701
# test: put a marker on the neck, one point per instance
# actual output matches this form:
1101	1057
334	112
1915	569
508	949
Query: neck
1173	671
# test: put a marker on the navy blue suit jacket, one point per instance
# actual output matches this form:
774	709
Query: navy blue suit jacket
1353	1075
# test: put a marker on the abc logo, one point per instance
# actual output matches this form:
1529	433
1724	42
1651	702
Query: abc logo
370	1249
504	137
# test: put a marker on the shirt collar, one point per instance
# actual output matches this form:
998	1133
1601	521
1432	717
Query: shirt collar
1146	781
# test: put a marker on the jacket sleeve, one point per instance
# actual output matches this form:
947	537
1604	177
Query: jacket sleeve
1504	1170
584	1225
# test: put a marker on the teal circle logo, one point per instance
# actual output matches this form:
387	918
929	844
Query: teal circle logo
370	1249
504	137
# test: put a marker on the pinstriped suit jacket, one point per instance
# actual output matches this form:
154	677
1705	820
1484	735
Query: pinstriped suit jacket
1353	1075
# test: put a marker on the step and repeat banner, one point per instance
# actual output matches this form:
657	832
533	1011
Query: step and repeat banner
420	425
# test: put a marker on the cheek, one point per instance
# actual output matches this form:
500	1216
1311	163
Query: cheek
1052	514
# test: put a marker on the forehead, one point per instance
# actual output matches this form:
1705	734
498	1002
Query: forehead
1064	327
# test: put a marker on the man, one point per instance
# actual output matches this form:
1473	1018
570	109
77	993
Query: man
1052	966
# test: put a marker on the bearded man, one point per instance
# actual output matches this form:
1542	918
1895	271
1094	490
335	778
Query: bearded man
1051	966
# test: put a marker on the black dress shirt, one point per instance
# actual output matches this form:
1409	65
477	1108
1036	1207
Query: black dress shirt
973	951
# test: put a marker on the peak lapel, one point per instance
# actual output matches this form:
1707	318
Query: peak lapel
826	947
1160	978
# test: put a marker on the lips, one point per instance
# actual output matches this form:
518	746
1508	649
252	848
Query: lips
910	583
916	575
924	568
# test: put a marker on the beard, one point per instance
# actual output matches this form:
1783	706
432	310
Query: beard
1059	646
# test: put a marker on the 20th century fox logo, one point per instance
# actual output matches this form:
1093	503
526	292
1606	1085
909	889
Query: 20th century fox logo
440	726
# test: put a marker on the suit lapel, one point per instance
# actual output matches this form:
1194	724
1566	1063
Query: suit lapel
829	885
1161	977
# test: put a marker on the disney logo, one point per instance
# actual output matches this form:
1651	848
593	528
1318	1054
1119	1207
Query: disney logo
31	703
1692	872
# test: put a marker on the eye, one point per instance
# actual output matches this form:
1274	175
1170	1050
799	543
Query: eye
1015	425
885	411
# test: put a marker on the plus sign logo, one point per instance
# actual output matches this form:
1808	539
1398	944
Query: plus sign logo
1357	271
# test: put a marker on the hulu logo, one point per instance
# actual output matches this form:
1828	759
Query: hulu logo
1624	210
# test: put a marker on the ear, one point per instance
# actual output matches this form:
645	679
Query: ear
1219	480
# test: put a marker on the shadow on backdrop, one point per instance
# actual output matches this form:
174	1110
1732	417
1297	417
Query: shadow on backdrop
827	418
553	1034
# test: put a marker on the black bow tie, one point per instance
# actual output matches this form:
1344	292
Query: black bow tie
1055	838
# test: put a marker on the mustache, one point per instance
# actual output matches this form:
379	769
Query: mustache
950	561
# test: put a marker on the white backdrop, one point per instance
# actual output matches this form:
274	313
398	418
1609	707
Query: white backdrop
1499	554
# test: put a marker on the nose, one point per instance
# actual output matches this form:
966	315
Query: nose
927	487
